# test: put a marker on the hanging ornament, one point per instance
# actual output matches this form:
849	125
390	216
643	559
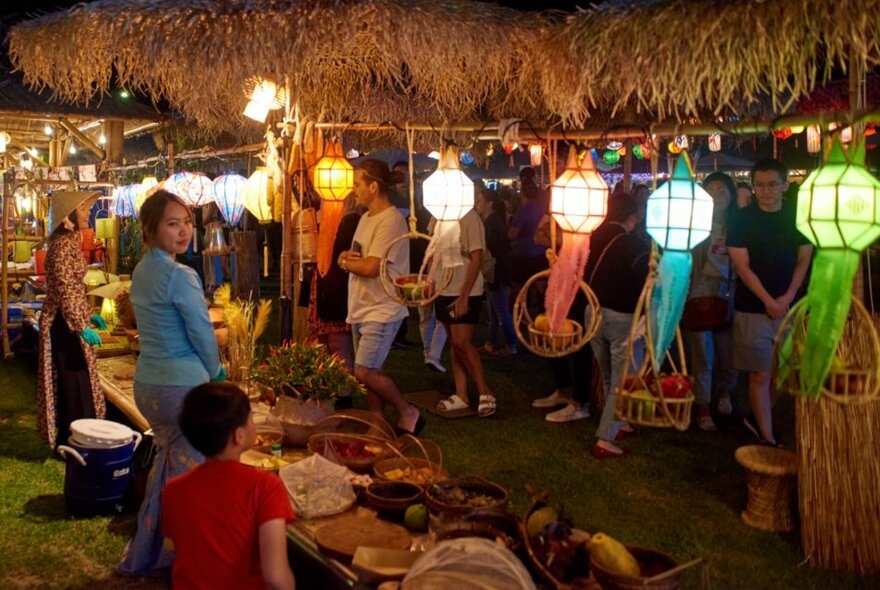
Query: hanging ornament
715	142
637	152
611	157
838	210
678	217
614	145
814	139
621	151
466	158
536	153
782	134
846	135
228	196
646	150
673	148
797	129
508	149
334	180
682	142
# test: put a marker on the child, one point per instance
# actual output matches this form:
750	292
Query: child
226	520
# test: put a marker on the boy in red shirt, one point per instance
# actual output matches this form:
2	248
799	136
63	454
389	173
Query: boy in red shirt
226	520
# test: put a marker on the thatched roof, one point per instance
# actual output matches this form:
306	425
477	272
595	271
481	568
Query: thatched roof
436	61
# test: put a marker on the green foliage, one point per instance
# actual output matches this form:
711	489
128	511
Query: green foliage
305	371
130	238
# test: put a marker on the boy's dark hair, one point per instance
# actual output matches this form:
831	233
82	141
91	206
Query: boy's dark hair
621	206
768	165
210	414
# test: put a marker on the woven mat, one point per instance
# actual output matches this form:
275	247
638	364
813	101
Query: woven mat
427	400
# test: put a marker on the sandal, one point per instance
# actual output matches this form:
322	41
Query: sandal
487	406
451	404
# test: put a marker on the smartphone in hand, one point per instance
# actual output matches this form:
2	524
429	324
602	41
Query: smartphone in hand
357	247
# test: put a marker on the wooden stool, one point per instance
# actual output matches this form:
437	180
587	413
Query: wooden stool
770	474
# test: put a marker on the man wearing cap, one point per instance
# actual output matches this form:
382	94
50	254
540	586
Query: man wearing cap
68	387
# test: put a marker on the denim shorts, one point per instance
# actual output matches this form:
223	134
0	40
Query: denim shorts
372	342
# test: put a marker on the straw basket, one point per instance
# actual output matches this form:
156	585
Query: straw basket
640	399
854	377
649	560
425	292
771	475
548	344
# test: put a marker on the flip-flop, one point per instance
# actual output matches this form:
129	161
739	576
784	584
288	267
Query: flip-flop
487	406
451	404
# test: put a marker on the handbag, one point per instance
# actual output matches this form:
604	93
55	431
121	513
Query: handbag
712	312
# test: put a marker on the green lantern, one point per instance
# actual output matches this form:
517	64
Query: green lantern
839	211
611	157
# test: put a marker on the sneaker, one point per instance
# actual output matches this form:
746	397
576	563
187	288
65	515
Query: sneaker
435	366
568	413
554	399
706	423
725	406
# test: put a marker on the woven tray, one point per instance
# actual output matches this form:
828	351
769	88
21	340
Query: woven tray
341	538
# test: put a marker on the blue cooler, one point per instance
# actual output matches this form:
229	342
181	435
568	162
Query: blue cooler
99	457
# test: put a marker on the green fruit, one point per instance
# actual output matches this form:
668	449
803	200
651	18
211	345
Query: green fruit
539	519
416	518
611	555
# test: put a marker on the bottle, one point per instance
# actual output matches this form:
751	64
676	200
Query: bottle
276	449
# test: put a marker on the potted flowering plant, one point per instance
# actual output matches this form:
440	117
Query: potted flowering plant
305	378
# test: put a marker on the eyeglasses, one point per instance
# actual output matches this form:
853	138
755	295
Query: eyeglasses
769	185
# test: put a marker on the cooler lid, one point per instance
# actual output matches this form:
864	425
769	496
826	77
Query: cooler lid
100	433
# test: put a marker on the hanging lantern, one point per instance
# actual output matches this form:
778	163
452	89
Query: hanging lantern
228	195
536	154
448	193
682	142
257	197
149	185
611	157
637	152
715	142
579	197
25	197
125	199
621	151
108	311
178	184
467	158
614	145
846	135
782	134
814	139
4	141
333	177
838	210
797	129
646	150
263	96
678	217
199	191
673	148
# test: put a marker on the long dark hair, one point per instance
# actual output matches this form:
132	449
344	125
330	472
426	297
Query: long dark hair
727	181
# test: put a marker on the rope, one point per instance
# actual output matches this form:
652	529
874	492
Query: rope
410	140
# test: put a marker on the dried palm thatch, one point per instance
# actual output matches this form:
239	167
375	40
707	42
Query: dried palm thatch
434	60
676	58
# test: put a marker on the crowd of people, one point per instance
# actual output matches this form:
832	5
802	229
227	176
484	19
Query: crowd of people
754	258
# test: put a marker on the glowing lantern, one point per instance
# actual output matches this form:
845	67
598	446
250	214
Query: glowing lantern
614	145
467	158
846	134
448	193
579	197
715	142
621	151
611	157
4	141
125	199
796	129
536	153
646	150
263	97
149	185
673	148
106	228
814	139
257	197
838	210
682	142
637	152
333	176
108	311
178	183
228	196
678	217
198	191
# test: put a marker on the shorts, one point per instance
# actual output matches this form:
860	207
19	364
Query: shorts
443	306
372	342
753	337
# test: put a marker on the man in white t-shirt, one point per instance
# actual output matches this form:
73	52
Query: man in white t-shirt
458	307
374	316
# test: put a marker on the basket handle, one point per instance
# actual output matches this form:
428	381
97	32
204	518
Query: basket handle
676	570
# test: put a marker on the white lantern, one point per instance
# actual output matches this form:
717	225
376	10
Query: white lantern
257	194
149	185
448	193
579	197
263	96
715	142
4	140
679	213
814	139
536	153
228	195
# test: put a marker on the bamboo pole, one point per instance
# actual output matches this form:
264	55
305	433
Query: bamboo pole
4	267
81	138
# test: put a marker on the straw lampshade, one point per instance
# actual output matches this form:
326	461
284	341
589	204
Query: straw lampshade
334	175
579	197
263	96
448	192
679	213
228	195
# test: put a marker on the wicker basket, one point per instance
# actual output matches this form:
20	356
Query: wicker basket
404	296
333	445
771	476
428	472
668	576
469	483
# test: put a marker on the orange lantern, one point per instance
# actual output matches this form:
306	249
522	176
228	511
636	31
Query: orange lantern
333	179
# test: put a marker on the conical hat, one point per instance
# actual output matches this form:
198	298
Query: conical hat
63	203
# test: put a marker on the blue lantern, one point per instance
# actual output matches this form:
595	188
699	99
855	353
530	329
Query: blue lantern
228	196
126	198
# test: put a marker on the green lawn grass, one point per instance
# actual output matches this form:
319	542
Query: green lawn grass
678	492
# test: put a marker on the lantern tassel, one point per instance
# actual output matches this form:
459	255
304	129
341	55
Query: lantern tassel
667	300
265	258
331	216
829	298
565	278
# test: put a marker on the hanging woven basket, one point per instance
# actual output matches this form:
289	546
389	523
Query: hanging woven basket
854	377
647	397
539	339
412	289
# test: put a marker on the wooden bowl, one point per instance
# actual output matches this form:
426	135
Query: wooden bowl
476	492
393	495
653	563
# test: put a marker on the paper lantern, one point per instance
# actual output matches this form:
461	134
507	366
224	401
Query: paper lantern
194	189
611	157
846	134
149	185
795	129
4	141
257	195
679	213
814	139
263	96
838	203
673	148
178	183
646	150
448	193
715	142
614	145
106	228
637	152
228	191
108	311
579	197
333	176
125	199
682	142
536	154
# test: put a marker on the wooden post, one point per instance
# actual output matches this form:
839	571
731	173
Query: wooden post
114	131
246	285
4	268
